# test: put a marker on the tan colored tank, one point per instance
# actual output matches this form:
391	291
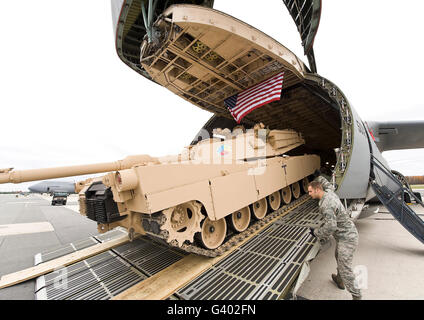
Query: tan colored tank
211	191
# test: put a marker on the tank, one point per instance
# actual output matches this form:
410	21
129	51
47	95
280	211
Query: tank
198	200
207	57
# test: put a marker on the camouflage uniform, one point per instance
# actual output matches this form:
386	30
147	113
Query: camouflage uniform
338	223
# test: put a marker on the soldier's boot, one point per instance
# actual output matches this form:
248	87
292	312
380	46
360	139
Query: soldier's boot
356	297
338	281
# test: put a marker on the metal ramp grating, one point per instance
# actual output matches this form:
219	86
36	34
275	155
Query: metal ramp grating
112	234
148	256
105	275
265	266
63	250
100	277
77	245
273	258
308	216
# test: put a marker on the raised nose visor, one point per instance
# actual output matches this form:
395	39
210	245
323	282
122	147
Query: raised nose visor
206	56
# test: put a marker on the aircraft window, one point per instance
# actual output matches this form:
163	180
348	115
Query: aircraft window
60	194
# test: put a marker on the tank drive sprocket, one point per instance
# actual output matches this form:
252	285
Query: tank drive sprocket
182	222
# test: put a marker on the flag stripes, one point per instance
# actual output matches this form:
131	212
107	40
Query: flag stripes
250	99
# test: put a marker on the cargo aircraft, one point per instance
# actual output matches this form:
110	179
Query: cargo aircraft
219	63
206	56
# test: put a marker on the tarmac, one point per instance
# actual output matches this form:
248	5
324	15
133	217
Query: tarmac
389	259
17	251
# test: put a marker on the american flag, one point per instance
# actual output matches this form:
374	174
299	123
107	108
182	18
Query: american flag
250	99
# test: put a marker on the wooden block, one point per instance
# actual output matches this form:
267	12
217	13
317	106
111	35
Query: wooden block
165	283
49	266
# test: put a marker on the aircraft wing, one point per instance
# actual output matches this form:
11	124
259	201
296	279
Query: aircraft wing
397	135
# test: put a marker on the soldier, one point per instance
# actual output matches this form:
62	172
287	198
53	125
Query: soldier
338	224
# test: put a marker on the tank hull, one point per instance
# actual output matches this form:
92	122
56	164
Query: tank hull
221	189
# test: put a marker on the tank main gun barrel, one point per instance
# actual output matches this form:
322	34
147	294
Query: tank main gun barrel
18	176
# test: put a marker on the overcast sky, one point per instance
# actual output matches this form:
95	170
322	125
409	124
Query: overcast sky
66	98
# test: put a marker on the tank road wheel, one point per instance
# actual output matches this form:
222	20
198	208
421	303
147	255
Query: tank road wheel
274	200
287	194
296	190
213	233
305	182
259	209
182	222
240	220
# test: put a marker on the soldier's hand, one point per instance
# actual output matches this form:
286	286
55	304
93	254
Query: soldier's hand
312	232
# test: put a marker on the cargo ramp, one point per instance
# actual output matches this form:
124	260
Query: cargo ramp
265	266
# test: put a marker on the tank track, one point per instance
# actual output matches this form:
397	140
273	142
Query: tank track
156	220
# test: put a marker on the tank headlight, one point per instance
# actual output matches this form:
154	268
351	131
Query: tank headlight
126	180
118	178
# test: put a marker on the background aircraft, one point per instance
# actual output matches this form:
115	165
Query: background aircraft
53	186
